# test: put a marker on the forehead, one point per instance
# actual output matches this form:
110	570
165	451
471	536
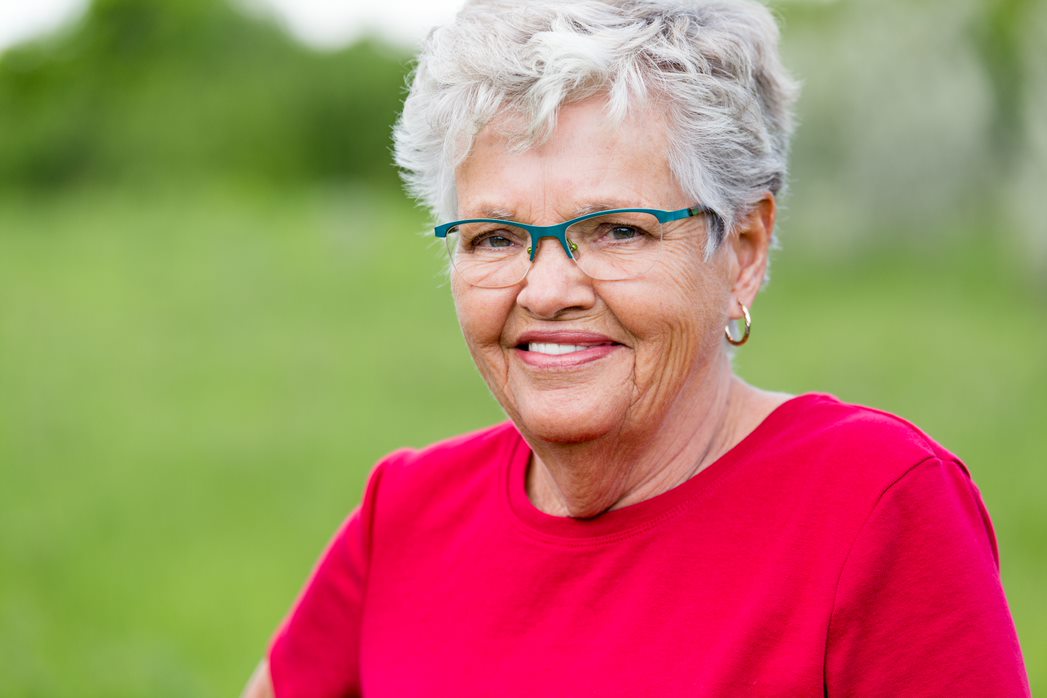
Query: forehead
589	162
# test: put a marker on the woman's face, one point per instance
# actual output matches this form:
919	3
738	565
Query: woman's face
570	358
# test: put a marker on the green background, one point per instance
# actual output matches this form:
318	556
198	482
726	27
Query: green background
217	310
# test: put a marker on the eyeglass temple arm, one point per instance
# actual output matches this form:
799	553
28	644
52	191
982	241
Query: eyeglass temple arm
698	210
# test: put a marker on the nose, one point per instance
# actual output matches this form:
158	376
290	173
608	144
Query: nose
554	283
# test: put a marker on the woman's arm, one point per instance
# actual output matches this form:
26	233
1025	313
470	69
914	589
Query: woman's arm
316	651
920	609
259	685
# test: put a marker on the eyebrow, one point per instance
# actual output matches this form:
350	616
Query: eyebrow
599	206
499	213
510	215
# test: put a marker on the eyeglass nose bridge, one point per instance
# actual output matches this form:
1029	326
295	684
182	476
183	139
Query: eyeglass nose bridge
558	233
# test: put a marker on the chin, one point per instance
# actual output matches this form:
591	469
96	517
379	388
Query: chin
564	426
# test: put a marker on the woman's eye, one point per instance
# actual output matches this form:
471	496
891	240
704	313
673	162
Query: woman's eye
624	232
493	240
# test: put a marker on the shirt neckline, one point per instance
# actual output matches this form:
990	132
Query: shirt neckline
639	517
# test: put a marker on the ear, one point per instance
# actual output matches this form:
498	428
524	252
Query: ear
750	247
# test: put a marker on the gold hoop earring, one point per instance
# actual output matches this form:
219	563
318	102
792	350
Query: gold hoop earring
748	327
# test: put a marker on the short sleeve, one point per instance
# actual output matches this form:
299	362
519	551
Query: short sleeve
920	609
316	651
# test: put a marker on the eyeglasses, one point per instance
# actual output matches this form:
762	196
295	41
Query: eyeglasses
622	243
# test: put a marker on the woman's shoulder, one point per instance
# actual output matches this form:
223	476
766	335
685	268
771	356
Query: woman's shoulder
825	416
477	446
820	431
458	463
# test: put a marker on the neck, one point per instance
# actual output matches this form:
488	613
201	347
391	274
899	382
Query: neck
586	479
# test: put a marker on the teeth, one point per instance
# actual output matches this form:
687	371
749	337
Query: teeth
556	349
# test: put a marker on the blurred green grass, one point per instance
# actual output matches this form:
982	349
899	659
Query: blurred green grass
194	385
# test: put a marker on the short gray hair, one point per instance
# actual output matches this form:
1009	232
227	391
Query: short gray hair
713	66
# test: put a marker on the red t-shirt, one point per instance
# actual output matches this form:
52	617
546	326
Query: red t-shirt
836	550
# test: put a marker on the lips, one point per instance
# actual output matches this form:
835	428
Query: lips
562	348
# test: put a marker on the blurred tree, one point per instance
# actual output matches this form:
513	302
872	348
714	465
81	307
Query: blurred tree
917	121
914	115
999	38
151	89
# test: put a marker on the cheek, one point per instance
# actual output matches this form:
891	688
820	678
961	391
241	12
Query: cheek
693	290
482	315
679	333
702	291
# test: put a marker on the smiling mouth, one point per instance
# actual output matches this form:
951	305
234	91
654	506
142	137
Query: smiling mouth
555	349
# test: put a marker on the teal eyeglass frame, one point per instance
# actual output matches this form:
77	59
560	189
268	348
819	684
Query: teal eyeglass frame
559	231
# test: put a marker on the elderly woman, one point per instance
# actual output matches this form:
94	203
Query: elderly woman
646	523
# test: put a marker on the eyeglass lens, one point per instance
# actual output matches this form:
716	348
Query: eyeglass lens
609	247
